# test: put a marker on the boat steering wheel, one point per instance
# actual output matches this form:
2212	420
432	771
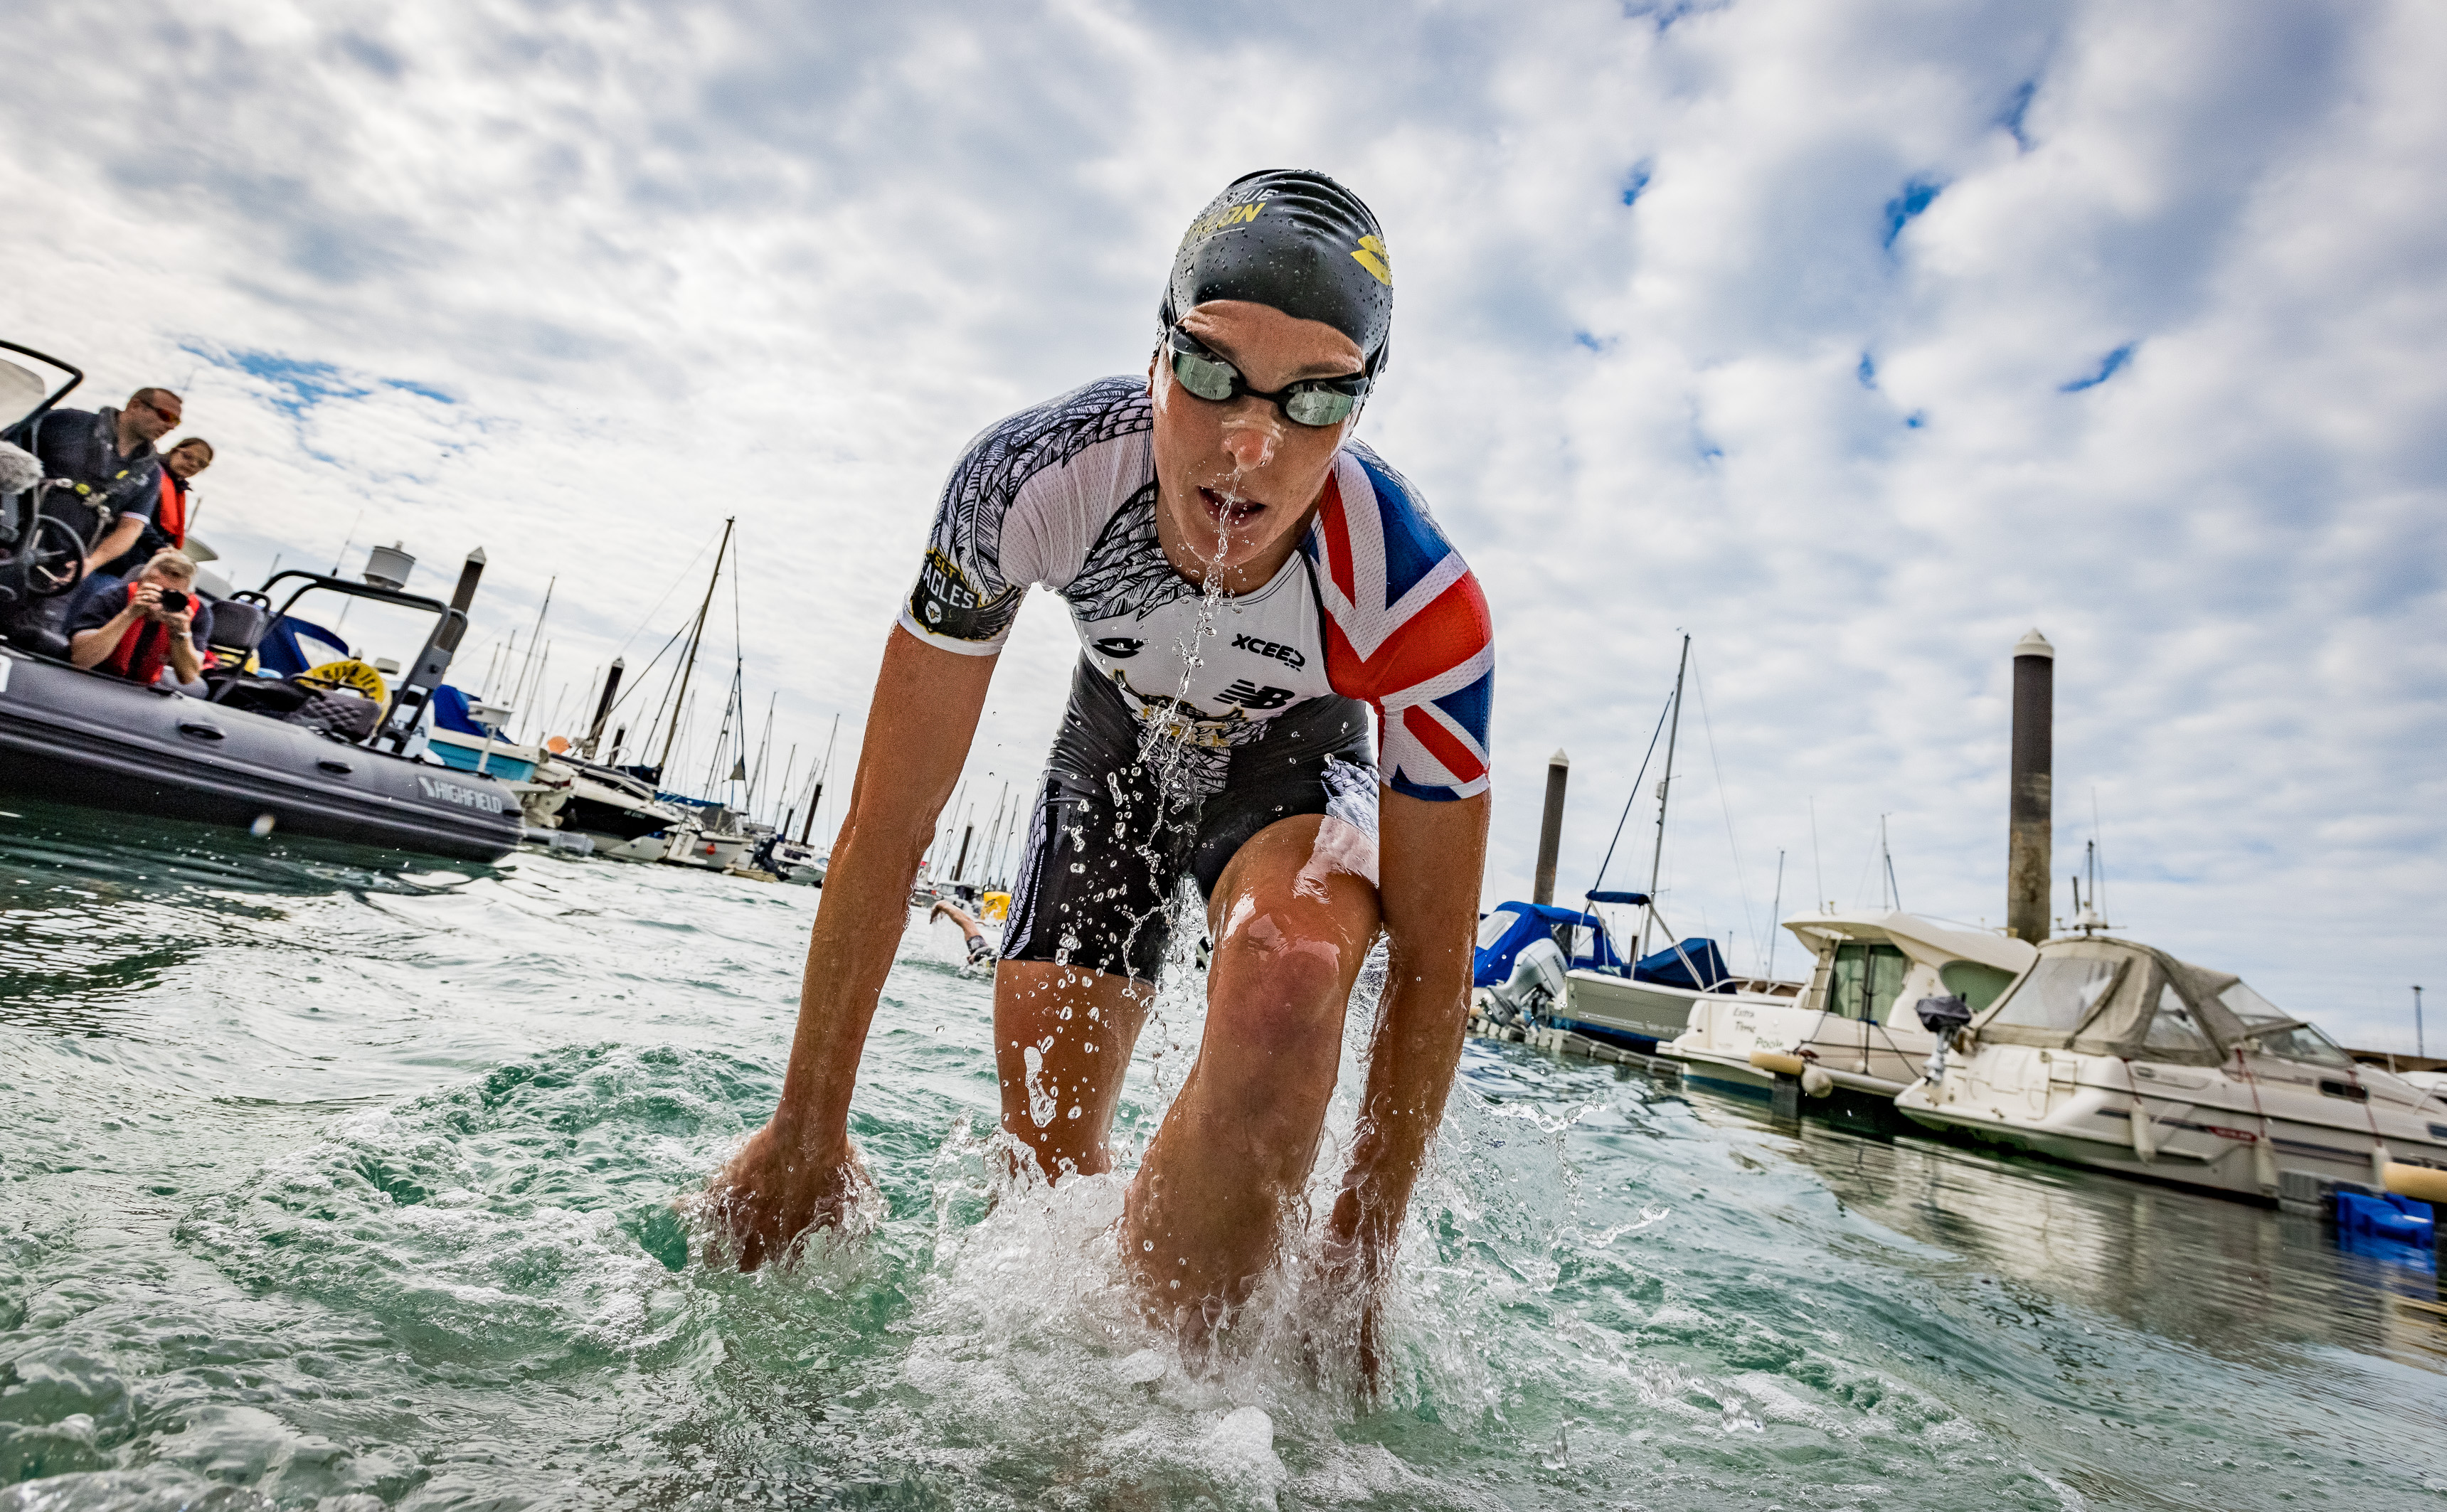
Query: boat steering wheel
51	561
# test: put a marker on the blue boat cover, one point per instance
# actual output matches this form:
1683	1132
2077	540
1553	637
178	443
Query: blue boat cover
1490	964
1612	896
451	711
1675	965
290	645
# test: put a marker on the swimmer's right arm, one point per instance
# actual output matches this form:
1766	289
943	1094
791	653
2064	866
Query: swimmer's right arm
799	1170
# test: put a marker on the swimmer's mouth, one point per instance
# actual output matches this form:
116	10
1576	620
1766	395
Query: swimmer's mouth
1229	511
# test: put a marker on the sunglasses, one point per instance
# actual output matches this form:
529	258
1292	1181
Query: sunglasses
1310	402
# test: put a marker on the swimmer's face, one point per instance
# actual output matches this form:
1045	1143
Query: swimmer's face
1236	481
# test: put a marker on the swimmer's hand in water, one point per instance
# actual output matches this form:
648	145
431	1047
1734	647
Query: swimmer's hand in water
773	1191
1355	1263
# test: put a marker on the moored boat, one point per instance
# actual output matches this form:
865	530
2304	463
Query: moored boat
1854	1021
2115	1054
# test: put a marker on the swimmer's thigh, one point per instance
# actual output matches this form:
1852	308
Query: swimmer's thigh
1291	930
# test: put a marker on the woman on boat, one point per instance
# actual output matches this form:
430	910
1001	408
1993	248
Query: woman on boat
1252	588
166	530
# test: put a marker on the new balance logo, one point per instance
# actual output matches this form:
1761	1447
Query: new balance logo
1288	655
1250	697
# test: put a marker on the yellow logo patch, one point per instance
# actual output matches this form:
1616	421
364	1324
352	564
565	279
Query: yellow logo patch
1373	256
1224	220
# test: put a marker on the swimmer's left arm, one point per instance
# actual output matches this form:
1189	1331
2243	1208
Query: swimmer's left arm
1429	857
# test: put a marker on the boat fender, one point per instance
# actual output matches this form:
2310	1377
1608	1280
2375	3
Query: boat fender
1816	1082
1781	1063
2420	1183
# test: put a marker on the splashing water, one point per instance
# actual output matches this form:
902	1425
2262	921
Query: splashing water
314	1190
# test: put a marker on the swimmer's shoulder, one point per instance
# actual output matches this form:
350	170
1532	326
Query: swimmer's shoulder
1057	430
1414	622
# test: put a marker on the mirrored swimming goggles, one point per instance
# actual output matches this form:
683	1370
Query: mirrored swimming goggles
1310	402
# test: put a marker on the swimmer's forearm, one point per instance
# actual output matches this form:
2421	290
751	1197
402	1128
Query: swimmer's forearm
1431	859
918	734
1411	1062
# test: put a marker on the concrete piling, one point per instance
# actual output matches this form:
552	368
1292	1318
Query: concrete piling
1550	828
2032	804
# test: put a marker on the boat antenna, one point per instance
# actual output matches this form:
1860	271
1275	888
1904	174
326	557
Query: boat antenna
1772	910
1886	855
2097	867
1817	872
2086	917
696	635
2419	1048
1664	794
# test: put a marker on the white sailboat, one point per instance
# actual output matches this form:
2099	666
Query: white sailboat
1647	1000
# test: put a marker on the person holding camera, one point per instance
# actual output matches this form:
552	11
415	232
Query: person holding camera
138	629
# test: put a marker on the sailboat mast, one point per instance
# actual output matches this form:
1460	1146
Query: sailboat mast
696	633
1664	794
816	789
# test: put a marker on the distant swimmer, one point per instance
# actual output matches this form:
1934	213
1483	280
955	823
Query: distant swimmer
1256	593
981	949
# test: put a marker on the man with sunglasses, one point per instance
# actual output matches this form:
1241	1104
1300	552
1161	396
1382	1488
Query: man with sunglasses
1256	593
108	457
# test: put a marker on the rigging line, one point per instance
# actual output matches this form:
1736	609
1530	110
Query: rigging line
1653	736
1699	685
648	617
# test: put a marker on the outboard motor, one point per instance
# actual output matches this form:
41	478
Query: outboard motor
1943	1017
1536	984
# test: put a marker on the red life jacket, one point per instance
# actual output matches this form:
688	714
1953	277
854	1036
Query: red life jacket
141	649
172	517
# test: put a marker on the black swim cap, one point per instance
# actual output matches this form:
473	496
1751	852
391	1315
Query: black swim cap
1297	241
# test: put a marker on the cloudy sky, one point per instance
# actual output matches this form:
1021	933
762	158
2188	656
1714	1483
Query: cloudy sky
1854	339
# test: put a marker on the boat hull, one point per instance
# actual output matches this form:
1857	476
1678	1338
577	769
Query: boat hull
1620	1007
2201	1127
104	743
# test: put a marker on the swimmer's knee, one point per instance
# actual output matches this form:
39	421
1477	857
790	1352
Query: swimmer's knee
1277	997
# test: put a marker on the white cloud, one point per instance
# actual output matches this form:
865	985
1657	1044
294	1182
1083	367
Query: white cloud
576	282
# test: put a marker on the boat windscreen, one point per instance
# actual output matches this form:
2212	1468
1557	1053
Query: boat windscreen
2172	1028
1978	985
20	392
1491	928
2058	993
2277	1032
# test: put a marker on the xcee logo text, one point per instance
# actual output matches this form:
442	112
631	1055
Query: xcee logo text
1288	655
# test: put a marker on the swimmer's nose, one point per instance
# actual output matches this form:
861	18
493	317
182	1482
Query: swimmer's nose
1249	440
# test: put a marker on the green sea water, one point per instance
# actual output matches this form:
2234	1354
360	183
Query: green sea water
337	1180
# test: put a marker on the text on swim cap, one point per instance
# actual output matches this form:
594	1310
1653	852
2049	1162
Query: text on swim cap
1224	219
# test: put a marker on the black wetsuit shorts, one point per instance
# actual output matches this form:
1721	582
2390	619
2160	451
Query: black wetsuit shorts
1116	828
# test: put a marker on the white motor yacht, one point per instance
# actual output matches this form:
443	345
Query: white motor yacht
1854	1021
2112	1053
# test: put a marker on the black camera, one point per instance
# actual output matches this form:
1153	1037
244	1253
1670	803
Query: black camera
174	602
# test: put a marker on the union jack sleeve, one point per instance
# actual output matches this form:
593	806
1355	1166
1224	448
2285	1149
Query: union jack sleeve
1407	629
